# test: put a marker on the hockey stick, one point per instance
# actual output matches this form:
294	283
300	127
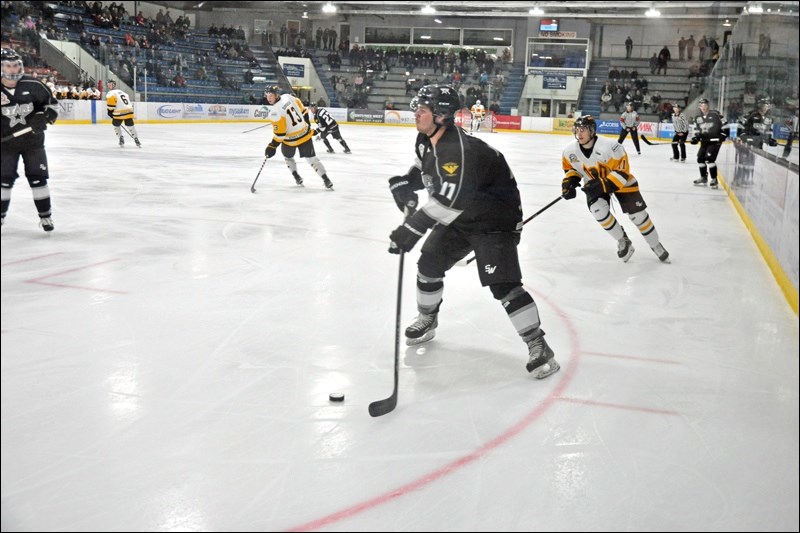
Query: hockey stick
381	407
536	214
19	133
647	141
258	128
253	186
387	405
126	131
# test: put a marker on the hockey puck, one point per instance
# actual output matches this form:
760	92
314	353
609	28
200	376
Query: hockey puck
336	397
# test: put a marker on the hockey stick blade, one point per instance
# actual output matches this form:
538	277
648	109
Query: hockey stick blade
536	214
382	407
650	143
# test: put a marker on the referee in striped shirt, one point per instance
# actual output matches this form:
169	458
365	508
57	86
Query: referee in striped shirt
681	131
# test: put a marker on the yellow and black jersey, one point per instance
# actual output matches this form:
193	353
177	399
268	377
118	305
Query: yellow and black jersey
607	160
478	110
290	122
119	103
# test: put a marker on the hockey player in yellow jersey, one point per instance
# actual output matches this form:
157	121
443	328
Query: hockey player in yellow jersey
478	113
602	166
120	109
291	130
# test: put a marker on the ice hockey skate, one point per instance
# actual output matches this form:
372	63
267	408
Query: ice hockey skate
138	143
328	183
713	183
700	182
121	141
541	358
46	223
422	330
297	179
661	253
625	248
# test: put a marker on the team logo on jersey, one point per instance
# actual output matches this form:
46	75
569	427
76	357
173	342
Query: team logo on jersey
450	168
16	115
489	269
573	158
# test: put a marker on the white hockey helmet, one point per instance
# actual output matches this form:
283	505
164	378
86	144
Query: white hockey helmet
477	102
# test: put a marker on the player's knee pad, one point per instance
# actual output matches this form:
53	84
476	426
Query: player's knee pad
37	181
506	291
599	209
638	218
431	266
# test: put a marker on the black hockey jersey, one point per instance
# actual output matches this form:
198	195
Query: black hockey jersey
21	106
469	183
325	122
709	127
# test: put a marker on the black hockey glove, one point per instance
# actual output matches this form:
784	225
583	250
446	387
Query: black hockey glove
315	132
597	188
271	149
568	186
38	122
404	195
695	140
772	142
404	237
110	113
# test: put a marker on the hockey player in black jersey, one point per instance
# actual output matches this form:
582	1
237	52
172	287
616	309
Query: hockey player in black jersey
327	125
710	134
28	107
473	204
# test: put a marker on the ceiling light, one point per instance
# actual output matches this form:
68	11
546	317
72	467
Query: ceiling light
437	21
536	11
305	15
727	23
756	8
497	38
652	12
428	10
329	8
424	36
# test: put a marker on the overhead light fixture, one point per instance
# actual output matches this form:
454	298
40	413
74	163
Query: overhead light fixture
727	23
424	36
428	10
305	15
536	11
497	38
437	21
652	12
755	8
329	8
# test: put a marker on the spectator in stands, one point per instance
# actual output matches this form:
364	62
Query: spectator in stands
605	99
495	107
690	47
248	77
663	59
653	63
655	101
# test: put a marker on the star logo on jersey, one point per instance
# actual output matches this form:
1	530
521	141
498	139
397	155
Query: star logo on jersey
16	115
450	168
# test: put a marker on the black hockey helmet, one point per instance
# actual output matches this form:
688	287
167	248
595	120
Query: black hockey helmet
585	121
274	89
11	57
111	84
442	99
703	101
764	102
